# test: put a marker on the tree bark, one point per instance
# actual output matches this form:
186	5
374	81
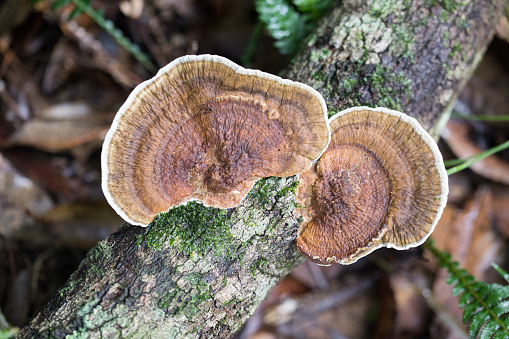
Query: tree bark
201	272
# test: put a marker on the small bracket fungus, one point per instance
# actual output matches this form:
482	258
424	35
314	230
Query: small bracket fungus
381	182
205	128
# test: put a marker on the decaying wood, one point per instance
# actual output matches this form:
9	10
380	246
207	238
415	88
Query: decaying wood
205	282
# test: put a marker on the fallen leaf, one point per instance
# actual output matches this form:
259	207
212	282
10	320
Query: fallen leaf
456	136
20	201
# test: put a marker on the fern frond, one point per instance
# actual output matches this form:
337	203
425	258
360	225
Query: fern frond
283	22
289	23
485	306
315	7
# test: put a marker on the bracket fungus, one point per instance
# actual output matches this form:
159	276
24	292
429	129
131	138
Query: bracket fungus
381	182
206	129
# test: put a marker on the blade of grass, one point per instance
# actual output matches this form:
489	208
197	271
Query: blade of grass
496	118
109	27
247	59
455	162
475	158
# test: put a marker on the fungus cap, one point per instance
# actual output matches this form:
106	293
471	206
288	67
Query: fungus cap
381	182
206	129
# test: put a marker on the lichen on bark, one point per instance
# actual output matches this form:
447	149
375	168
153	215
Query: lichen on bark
167	281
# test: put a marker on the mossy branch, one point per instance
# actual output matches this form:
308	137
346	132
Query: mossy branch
139	281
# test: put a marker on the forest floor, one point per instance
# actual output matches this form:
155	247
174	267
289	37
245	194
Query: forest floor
61	83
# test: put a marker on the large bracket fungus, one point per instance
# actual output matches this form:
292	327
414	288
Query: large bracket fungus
381	182
205	128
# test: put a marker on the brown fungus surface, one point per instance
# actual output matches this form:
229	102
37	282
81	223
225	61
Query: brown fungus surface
205	128
381	182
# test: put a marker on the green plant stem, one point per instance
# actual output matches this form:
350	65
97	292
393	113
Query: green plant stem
247	58
445	261
455	162
109	27
496	118
467	162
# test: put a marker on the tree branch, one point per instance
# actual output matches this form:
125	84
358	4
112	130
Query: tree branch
201	272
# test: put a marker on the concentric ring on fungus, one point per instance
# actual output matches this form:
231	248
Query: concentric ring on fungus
381	182
206	129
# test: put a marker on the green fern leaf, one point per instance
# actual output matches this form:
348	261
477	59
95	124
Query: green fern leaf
503	273
283	22
316	8
59	3
289	23
457	289
485	306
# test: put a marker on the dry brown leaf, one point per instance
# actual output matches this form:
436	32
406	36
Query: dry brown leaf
20	201
132	8
470	236
502	28
340	310
315	276
56	135
501	210
456	136
81	225
460	188
412	312
13	13
487	92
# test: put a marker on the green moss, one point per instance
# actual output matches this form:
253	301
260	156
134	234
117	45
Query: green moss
331	109
192	227
196	280
69	286
266	194
259	265
445	38
462	22
231	301
81	334
263	193
168	299
448	5
283	192
193	305
383	8
8	333
403	42
455	48
97	318
348	84
87	308
319	76
444	16
319	55
139	239
402	35
387	86
188	302
249	218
